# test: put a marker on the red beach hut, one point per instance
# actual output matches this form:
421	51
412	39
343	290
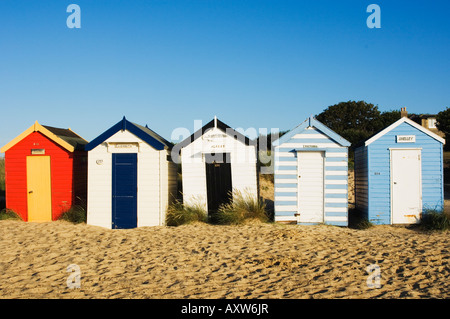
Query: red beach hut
45	172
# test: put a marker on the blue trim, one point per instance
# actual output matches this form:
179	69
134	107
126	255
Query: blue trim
312	122
285	168
279	176
336	186
124	124
284	185
336	205
287	203
329	168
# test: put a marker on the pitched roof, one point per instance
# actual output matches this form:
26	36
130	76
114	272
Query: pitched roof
144	133
311	122
220	125
66	138
69	136
397	123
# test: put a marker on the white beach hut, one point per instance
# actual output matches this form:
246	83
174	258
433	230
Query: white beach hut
215	161
130	177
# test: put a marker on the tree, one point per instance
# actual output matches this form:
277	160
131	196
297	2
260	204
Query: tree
356	121
443	123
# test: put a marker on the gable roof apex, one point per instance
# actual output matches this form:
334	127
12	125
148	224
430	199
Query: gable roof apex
397	123
144	133
312	122
65	138
215	123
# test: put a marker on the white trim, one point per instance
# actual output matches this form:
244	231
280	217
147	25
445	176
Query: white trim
400	121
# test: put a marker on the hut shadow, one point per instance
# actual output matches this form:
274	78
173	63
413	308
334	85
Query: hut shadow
2	200
270	208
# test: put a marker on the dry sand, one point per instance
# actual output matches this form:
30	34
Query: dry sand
204	261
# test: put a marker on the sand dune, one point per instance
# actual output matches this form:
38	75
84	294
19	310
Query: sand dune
205	261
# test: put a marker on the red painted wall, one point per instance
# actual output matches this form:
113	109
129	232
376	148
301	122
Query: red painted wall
62	172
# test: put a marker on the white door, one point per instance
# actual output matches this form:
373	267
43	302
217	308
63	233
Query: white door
310	186
406	186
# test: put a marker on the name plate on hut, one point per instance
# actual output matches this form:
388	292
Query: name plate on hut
118	147
406	138
214	141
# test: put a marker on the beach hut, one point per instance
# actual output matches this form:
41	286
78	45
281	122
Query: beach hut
45	172
311	175
215	161
131	178
399	174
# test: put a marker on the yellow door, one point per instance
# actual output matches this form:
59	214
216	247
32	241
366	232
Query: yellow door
39	189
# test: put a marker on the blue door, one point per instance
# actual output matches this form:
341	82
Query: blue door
124	190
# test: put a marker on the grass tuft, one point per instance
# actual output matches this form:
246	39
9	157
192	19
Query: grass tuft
9	214
435	220
243	207
76	214
180	214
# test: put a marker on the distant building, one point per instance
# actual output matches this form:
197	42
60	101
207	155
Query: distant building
426	120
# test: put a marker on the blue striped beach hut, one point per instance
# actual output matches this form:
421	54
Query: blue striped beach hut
399	174
311	175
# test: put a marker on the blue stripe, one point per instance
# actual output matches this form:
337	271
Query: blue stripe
286	150
287	159
336	205
336	159
328	186
285	168
336	168
311	140
281	213
336	223
285	193
286	203
336	177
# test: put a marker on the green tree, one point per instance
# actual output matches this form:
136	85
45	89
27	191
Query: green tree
443	124
356	121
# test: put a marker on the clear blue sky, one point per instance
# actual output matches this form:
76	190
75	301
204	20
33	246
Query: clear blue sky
253	63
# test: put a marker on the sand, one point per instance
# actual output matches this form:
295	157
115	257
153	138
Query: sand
205	261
